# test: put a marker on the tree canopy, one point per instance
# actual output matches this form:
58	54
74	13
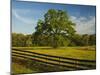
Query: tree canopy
57	26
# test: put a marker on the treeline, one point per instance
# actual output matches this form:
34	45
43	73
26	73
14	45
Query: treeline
21	40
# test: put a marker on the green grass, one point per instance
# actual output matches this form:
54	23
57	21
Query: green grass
88	53
22	66
17	68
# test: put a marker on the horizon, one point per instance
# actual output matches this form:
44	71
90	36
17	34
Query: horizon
32	33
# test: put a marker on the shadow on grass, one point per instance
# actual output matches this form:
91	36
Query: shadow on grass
36	67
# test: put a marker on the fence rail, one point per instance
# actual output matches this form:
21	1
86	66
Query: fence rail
55	60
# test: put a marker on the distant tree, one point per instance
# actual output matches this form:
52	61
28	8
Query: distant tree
76	40
29	40
92	39
18	39
85	39
21	40
57	26
14	39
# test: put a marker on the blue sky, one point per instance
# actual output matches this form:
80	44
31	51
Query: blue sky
26	14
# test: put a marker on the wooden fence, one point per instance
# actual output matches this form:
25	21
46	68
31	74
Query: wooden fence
72	64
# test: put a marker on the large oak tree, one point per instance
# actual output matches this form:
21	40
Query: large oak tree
57	27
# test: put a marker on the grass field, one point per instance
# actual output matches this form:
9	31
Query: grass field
71	52
17	68
86	53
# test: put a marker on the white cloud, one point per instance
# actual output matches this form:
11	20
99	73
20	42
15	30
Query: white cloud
24	19
84	25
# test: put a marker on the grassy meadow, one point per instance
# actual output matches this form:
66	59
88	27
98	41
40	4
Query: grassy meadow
85	53
88	53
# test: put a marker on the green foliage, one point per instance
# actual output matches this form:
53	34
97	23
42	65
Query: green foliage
92	40
57	26
83	40
76	40
28	40
21	40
